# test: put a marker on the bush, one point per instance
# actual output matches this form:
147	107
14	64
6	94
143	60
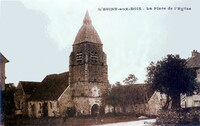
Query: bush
179	116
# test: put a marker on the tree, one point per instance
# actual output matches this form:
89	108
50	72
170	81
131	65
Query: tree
119	95
172	77
111	96
131	79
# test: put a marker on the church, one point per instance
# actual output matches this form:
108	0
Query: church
79	91
80	88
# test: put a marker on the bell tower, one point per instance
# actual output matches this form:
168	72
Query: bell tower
87	60
88	74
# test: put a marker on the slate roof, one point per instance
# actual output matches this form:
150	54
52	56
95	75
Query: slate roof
87	32
29	87
51	88
142	92
194	61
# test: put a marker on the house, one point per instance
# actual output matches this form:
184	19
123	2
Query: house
22	93
146	100
3	61
193	100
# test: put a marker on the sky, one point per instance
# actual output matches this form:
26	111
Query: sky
36	36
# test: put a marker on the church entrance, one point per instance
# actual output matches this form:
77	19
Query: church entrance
95	110
45	109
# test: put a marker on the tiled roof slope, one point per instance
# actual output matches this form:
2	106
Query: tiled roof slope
51	88
29	87
87	32
194	61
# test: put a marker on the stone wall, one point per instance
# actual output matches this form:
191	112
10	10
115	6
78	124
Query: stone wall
65	101
156	103
35	108
85	95
84	105
192	101
86	89
88	63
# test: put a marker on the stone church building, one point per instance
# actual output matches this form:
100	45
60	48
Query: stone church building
82	86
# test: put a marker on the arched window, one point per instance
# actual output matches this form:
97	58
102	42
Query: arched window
79	57
94	57
51	105
40	104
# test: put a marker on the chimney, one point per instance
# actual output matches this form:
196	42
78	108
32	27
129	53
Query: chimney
195	53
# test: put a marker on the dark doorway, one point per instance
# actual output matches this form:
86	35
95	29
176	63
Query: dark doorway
33	110
45	109
95	110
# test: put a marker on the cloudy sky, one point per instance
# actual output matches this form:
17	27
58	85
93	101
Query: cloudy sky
37	35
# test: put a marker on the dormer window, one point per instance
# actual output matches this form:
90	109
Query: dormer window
94	57
79	57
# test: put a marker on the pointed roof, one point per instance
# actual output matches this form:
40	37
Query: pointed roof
87	32
87	19
3	58
29	87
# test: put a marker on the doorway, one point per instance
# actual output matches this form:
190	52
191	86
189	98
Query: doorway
95	110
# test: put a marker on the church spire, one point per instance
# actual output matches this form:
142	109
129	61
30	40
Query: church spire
87	19
87	32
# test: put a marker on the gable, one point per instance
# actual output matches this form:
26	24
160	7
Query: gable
29	87
51	88
19	90
194	62
3	58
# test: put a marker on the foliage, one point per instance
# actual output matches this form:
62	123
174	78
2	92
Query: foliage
179	116
131	79
111	97
8	103
120	95
172	77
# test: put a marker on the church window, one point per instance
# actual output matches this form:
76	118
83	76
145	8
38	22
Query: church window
196	103
19	104
79	57
94	57
51	105
40	105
